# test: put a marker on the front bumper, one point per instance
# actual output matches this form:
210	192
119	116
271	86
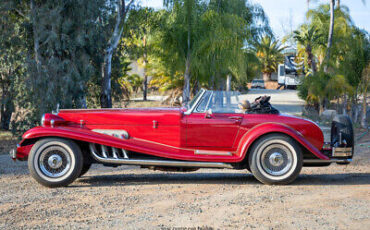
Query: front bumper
13	154
21	152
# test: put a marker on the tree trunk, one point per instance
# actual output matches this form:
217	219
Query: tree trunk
321	107
106	69
364	110
186	91
195	87
145	81
211	82
7	107
344	111
36	45
106	93
266	76
228	82
330	36
310	59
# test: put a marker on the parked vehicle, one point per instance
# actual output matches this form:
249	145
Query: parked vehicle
290	73
210	132
288	80
258	83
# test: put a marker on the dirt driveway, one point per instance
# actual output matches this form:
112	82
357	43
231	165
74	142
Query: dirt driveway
334	197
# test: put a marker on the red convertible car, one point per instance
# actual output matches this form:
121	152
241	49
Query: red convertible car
210	132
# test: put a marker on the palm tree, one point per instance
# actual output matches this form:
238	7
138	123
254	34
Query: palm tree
186	11
331	28
269	53
309	37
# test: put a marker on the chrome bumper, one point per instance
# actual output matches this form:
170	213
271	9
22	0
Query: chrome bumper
13	154
342	152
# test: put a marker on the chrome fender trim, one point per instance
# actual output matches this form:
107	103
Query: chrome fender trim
327	161
171	163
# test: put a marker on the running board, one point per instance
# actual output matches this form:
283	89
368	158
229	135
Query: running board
170	163
327	161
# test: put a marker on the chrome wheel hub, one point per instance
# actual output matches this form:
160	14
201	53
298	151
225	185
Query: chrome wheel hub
55	161
276	159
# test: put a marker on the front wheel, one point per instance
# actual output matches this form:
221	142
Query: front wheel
275	159
55	162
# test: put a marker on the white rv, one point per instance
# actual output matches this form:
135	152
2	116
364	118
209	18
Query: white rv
290	73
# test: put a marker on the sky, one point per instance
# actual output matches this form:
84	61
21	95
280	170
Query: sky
287	15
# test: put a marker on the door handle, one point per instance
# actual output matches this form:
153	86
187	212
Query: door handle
236	118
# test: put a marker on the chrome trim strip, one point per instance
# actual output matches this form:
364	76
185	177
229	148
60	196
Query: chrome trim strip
327	161
190	110
157	162
211	152
114	152
104	150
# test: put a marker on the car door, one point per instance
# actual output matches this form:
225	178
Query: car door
216	129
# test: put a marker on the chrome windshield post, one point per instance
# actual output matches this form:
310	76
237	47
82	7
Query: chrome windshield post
194	105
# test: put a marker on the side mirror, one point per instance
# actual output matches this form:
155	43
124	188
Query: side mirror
208	113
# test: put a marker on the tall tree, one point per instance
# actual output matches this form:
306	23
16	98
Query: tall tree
12	58
309	37
122	10
186	10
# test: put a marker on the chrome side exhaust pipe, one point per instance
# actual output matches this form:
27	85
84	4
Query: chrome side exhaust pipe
169	163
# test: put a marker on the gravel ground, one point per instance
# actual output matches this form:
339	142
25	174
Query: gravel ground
334	197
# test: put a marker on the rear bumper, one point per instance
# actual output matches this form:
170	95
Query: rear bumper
346	152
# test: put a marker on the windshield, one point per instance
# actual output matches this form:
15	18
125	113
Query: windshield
195	99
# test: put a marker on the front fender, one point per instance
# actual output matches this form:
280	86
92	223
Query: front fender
76	133
267	128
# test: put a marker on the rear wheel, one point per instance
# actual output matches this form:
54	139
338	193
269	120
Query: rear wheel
55	162
275	159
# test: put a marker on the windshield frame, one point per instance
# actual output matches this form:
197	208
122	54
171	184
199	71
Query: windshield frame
194	102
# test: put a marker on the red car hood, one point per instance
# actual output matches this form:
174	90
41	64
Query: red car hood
134	116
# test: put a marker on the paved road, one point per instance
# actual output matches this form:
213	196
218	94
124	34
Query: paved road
286	101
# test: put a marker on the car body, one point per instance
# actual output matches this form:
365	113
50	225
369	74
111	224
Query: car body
258	83
210	132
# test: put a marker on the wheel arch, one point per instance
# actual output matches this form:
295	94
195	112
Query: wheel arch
258	132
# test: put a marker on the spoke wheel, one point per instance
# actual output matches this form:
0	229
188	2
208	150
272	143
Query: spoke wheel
275	159
55	162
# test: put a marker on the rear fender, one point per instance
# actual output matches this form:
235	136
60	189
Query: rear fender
266	128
